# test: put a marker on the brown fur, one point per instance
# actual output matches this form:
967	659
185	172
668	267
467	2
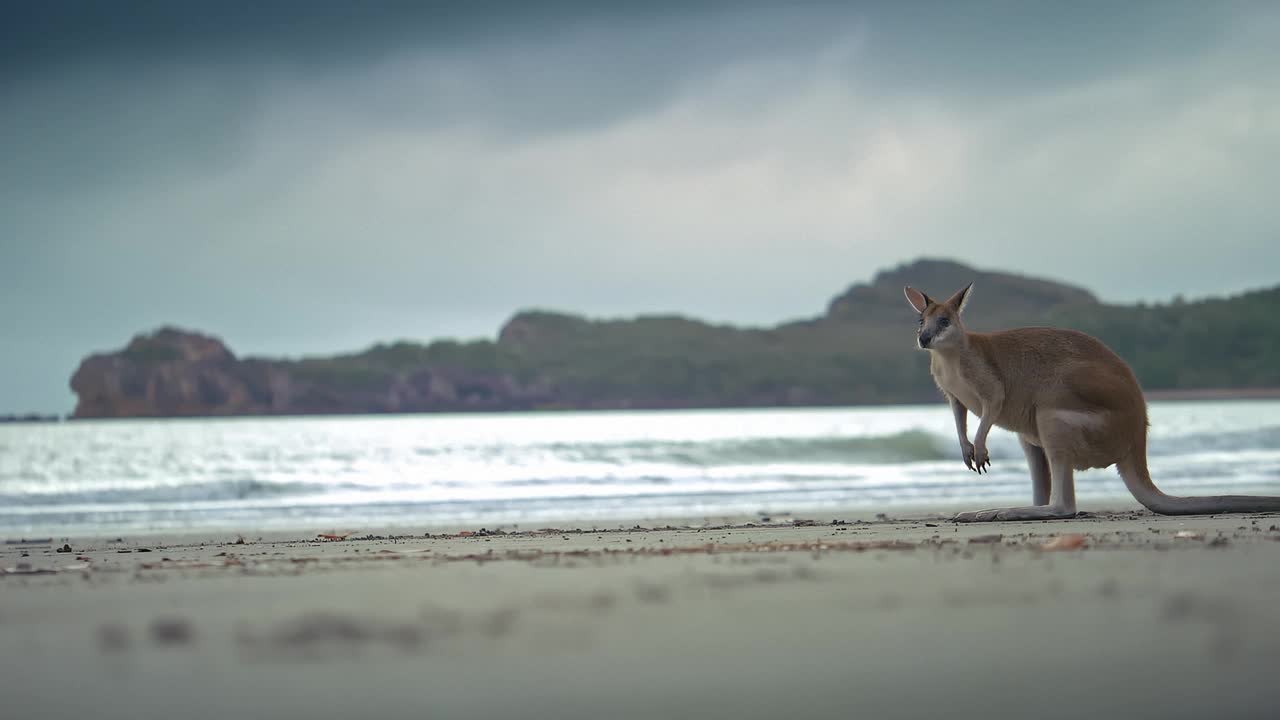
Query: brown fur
1073	403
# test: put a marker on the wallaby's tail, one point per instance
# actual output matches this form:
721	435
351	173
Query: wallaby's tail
1136	477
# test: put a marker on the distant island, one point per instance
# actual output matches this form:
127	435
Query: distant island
860	351
29	418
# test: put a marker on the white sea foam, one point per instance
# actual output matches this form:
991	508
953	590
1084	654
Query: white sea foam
130	476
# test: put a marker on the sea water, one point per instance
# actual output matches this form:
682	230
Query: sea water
416	471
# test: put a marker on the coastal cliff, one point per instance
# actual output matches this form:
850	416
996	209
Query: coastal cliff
858	352
176	373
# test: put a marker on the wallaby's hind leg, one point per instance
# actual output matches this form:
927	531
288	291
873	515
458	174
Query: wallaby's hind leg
1062	499
1039	466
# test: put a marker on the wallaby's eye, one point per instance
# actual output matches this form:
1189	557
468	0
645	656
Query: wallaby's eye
943	322
921	321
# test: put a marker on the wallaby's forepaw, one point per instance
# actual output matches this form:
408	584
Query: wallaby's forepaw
976	458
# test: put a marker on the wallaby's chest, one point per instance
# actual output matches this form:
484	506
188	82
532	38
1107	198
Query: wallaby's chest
963	383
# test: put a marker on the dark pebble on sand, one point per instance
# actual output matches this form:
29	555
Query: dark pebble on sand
651	593
171	631
113	637
65	549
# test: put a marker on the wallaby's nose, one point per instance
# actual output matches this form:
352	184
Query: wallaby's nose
924	339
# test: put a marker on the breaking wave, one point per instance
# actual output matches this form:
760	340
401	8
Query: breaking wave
422	470
901	447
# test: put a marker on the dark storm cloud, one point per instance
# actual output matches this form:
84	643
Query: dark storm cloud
309	31
306	177
96	91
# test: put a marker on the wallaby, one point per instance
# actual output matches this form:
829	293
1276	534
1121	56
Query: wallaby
1073	403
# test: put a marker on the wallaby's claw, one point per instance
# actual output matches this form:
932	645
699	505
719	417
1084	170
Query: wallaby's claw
976	459
981	460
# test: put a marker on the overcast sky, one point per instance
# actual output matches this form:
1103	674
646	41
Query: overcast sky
308	177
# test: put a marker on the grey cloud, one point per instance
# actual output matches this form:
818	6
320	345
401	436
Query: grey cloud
316	185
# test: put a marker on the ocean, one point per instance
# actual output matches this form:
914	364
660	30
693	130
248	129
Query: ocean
531	469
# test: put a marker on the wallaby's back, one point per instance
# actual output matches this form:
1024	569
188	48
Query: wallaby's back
1071	374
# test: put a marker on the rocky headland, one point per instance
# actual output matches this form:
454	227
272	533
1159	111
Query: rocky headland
857	352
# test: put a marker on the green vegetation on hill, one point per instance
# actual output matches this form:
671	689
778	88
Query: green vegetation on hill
148	353
1219	343
861	351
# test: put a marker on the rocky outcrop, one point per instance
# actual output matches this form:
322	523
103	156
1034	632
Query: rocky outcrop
176	373
172	373
861	351
1000	299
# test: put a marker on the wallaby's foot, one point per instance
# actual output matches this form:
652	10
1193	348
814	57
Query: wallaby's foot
1034	512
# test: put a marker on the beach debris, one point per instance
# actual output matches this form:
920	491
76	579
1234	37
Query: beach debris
333	536
1070	541
1220	541
1188	535
499	622
64	549
26	569
985	539
171	631
24	541
113	638
651	593
239	540
322	634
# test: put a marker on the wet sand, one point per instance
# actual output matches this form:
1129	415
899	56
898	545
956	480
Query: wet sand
1115	615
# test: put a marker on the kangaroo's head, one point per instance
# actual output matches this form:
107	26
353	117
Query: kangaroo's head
940	324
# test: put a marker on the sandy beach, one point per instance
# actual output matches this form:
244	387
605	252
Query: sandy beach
1114	615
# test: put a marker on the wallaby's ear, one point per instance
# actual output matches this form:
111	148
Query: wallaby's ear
918	300
960	299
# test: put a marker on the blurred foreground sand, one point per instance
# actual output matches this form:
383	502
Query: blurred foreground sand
1153	617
